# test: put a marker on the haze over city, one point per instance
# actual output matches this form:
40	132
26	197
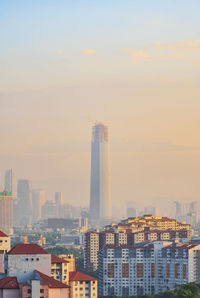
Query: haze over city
133	65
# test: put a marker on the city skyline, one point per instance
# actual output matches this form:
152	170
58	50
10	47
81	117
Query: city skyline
143	83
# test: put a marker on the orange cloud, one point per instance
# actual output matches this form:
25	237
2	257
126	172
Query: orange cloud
186	45
140	55
89	52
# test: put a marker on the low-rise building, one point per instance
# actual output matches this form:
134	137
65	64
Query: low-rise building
26	257
59	269
82	285
32	284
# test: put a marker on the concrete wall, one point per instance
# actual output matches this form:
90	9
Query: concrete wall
8	293
23	263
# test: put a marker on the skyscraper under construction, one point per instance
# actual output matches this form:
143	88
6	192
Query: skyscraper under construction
100	198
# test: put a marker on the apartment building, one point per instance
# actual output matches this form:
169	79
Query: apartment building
179	264
133	232
82	285
59	269
149	269
91	249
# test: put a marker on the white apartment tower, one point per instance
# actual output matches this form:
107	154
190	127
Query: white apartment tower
100	198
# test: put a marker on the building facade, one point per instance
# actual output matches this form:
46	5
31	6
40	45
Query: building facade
27	257
149	269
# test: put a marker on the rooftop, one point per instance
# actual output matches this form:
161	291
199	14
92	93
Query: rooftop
9	282
55	259
79	276
50	282
27	249
2	234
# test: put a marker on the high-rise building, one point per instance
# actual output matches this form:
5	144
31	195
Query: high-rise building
131	209
6	212
49	210
179	210
25	201
150	210
10	182
59	204
151	268
38	199
100	198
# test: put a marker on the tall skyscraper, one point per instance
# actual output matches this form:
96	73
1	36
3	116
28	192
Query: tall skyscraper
100	198
25	201
38	199
10	182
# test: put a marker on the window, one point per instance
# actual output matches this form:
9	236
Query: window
32	259
37	259
27	259
29	291
41	290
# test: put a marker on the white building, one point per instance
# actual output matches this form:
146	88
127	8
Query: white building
100	198
26	257
180	264
149	269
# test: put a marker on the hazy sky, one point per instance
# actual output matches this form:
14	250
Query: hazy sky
131	64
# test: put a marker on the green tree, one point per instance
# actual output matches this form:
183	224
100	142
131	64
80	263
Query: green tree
168	294
183	293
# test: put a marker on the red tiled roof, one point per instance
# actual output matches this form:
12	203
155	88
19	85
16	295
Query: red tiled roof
27	249
55	259
79	276
50	282
2	234
9	283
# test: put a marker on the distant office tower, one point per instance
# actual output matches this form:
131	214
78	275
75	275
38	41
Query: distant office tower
193	207
150	210
59	198
178	210
6	212
59	204
25	202
10	182
38	199
130	209
100	199
49	210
